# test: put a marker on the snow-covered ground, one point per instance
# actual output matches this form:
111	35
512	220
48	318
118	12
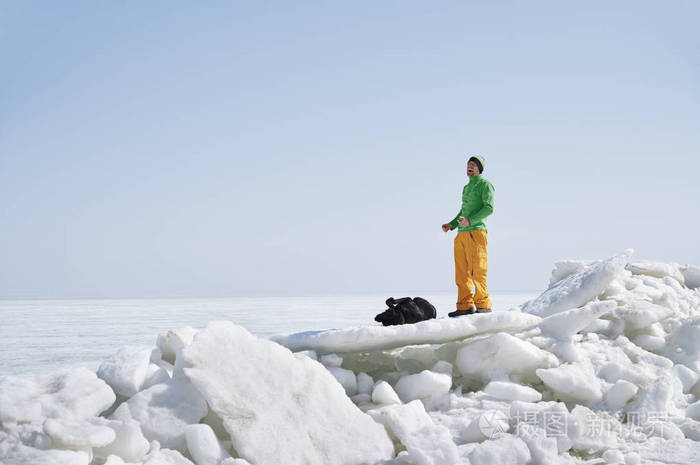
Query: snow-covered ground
602	367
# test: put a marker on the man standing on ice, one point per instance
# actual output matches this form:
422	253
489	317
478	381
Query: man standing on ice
471	262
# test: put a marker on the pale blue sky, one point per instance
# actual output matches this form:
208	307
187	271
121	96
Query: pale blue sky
156	149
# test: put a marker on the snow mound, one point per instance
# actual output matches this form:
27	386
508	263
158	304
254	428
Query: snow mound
602	367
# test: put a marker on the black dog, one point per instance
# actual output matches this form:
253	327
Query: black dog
406	310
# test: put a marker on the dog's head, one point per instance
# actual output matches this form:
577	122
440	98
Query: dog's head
390	317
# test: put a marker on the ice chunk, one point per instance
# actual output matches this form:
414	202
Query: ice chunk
425	442
306	353
574	383
650	343
235	462
436	331
129	443
552	417
383	393
506	390
640	314
662	394
657	450
126	370
632	458
172	341
156	375
618	395
565	268
164	410
578	288
115	460
68	394
422	385
693	411
203	445
506	449
686	376
365	383
261	392
346	378
77	435
332	360
166	457
613	456
684	343
656	269
442	366
567	323
543	449
13	452
592	431
691	276
501	354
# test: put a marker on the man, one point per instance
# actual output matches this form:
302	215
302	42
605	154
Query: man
470	244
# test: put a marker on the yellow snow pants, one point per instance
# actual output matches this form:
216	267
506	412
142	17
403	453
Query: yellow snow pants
471	264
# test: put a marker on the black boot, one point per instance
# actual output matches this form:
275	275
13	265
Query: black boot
462	312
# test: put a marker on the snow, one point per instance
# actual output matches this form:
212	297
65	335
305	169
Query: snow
602	367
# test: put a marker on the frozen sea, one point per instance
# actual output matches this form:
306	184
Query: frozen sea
39	336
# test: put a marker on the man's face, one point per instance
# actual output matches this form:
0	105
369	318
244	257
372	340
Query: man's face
472	169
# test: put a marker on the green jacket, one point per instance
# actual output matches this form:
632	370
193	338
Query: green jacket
477	204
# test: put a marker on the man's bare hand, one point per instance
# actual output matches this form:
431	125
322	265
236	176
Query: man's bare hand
463	222
446	227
